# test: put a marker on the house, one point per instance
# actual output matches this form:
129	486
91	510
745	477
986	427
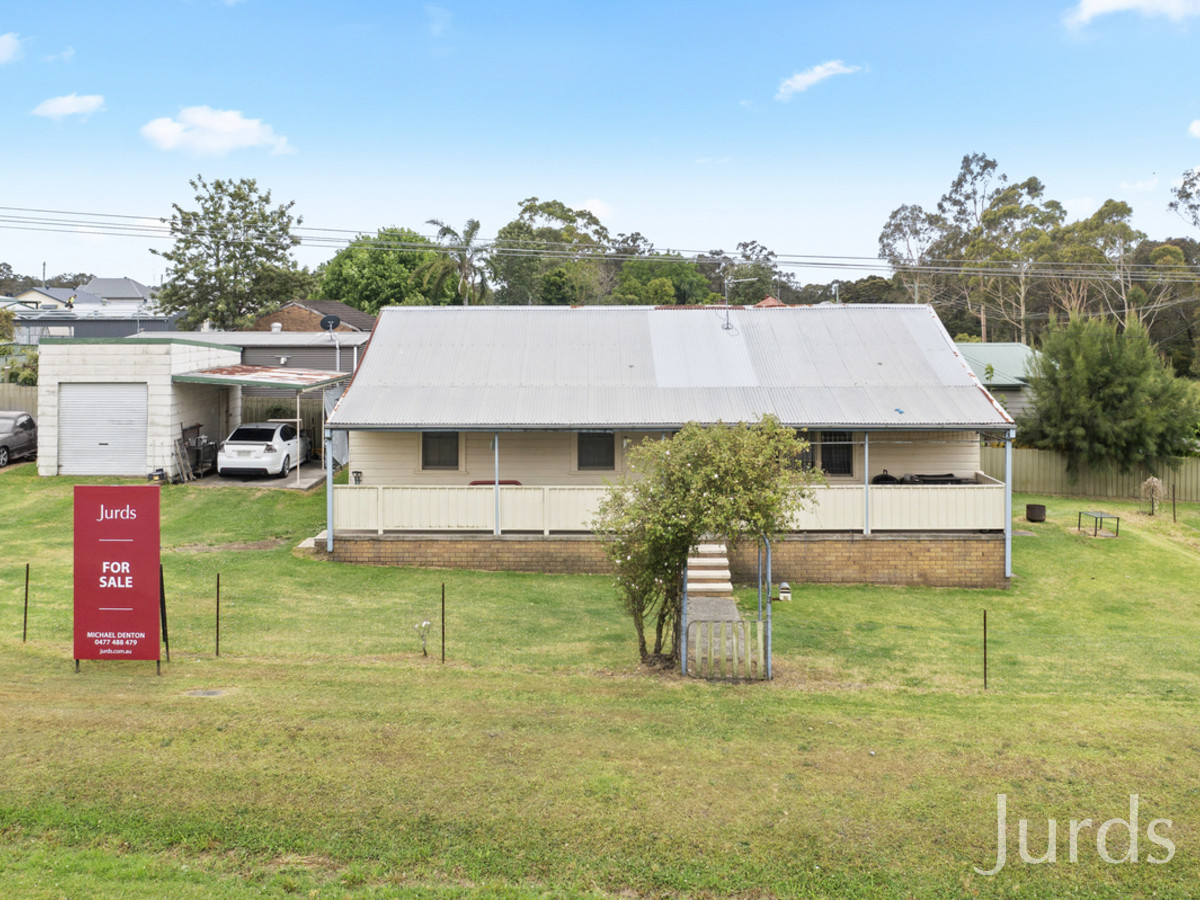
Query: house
1003	368
307	315
57	298
124	292
117	406
483	437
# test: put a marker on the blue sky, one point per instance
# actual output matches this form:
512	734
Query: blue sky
799	125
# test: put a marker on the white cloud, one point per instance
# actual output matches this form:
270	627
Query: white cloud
61	56
57	108
802	81
212	132
1148	185
598	208
10	48
1194	128
1175	10
438	20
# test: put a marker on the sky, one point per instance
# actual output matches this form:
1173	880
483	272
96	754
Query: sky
700	125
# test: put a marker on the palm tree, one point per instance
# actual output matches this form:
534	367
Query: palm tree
467	256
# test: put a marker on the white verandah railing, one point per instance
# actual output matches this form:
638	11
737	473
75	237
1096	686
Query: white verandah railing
397	508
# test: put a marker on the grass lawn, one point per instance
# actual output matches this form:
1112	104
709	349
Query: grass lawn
321	755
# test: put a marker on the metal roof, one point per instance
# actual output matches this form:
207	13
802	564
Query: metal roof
273	338
1010	362
263	376
507	368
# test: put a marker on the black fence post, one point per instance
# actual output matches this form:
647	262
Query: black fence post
162	609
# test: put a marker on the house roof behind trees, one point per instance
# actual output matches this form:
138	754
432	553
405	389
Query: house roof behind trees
1010	362
510	368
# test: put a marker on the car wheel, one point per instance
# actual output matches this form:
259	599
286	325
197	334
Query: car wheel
286	467
3	457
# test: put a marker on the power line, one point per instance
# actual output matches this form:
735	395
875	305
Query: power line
33	219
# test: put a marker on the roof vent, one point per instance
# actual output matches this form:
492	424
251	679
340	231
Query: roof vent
276	327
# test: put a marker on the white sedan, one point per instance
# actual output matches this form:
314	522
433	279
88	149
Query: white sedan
262	448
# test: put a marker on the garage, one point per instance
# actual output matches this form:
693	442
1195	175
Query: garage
102	428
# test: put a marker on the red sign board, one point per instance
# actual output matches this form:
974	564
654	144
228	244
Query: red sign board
116	572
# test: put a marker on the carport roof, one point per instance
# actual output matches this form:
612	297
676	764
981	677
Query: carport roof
264	376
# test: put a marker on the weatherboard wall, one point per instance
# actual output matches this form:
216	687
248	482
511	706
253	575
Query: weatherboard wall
548	457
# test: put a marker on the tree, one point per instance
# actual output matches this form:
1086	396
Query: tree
7	324
1014	230
231	258
1187	198
907	239
1105	400
545	236
687	284
393	267
728	480
467	257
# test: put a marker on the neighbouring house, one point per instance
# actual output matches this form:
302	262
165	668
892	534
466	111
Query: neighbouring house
118	406
307	315
125	292
1003	368
483	437
56	298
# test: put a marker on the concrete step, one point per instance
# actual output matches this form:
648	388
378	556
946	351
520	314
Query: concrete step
700	576
700	562
708	549
710	587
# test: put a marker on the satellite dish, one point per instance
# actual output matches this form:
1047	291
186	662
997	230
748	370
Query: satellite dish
330	322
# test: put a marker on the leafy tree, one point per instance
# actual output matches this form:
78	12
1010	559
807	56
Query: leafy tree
231	258
686	284
727	480
467	257
545	236
1104	399
1187	198
748	278
393	267
25	369
1014	231
906	242
7	325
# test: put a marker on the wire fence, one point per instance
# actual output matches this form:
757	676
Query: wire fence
1011	659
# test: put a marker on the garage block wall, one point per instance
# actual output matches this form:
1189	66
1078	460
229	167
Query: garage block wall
131	361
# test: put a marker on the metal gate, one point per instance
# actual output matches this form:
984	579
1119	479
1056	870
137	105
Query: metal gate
726	649
102	429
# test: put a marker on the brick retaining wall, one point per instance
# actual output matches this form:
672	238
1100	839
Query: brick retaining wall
934	560
939	560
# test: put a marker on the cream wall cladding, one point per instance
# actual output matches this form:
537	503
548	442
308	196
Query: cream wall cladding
548	457
531	457
146	361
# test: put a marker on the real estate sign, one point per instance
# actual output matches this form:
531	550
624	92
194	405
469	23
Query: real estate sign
116	572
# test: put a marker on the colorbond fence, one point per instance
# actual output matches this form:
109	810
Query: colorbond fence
19	396
1045	472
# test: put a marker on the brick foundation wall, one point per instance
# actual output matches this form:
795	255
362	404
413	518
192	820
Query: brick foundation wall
558	555
937	560
934	560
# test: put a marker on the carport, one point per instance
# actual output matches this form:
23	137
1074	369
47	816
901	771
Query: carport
276	377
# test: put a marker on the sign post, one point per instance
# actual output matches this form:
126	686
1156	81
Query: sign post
117	585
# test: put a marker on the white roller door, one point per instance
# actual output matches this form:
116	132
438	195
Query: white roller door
102	429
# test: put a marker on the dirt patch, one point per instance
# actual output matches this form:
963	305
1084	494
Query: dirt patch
269	544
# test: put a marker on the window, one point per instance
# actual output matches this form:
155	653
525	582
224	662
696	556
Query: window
439	450
287	433
837	453
597	450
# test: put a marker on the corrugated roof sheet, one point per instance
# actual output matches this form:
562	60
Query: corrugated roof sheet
636	367
263	376
1010	362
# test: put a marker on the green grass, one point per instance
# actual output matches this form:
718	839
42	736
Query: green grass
337	761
